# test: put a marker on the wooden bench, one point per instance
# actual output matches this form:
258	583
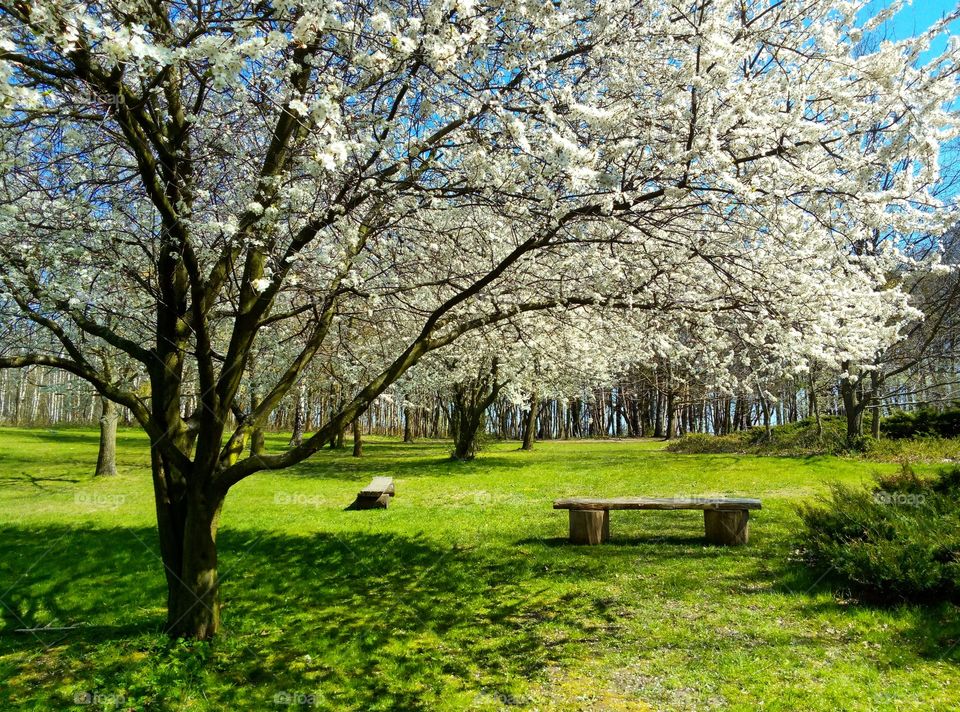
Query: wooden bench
726	520
375	495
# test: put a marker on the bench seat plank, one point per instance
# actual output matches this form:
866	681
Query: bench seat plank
704	503
377	487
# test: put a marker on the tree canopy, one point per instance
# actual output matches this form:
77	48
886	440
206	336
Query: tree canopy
196	189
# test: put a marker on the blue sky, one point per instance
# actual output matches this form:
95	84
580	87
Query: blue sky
916	18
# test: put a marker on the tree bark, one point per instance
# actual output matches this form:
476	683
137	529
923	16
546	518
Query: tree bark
187	523
357	439
765	409
407	425
671	416
256	434
257	442
468	412
853	406
107	456
814	405
299	420
465	432
875	383
194	610
530	424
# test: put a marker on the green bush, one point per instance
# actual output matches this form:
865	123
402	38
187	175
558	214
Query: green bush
928	449
925	422
800	438
896	541
804	438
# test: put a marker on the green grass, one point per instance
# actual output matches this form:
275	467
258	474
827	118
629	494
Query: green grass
462	595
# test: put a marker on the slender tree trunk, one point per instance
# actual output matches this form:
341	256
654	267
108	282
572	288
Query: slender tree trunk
530	426
815	407
765	409
299	419
357	439
107	456
407	425
671	416
875	383
658	415
853	405
257	442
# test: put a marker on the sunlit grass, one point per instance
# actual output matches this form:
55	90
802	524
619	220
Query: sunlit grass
462	595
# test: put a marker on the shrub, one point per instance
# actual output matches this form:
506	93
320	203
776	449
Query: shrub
922	423
898	540
800	438
803	438
919	449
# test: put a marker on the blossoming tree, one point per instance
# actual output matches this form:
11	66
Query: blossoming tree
184	181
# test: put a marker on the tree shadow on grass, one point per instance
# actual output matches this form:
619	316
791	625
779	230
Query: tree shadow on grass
364	620
90	436
933	632
341	466
39	483
360	621
672	540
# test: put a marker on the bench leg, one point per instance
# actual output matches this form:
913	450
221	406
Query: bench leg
589	526
729	527
380	502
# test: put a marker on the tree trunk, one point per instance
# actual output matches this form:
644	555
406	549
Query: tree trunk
853	406
875	383
357	439
195	609
257	442
407	426
815	407
465	444
765	409
658	415
530	425
107	457
299	420
468	412
671	417
187	522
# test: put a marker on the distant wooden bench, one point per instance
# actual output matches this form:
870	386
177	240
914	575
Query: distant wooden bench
726	520
375	495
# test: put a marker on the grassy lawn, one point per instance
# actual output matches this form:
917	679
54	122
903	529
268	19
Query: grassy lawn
462	595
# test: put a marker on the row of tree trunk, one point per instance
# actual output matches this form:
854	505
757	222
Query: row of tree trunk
649	403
